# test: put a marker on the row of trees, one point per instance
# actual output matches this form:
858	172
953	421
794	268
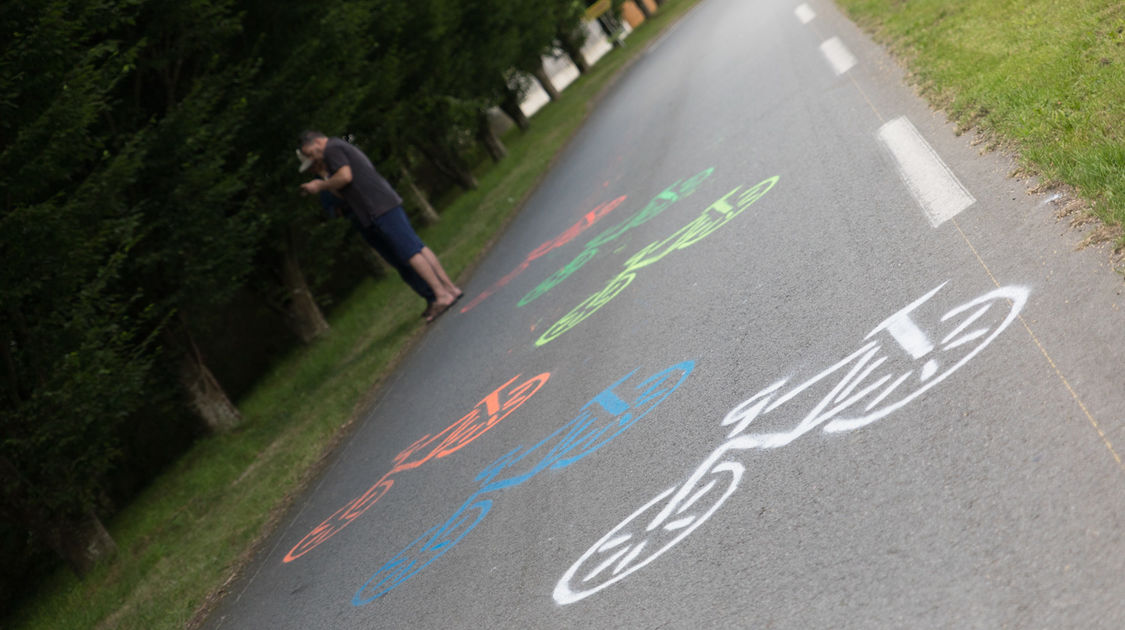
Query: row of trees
147	176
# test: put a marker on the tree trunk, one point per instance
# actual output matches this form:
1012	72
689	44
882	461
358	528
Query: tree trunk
82	541
573	49
540	75
511	106
448	163
644	9
491	143
304	315
429	215
611	27
207	396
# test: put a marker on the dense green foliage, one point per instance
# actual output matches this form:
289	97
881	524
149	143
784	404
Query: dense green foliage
197	521
147	179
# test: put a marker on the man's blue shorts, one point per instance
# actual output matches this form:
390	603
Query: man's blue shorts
394	225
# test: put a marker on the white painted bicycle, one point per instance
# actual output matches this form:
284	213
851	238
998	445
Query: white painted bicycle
897	363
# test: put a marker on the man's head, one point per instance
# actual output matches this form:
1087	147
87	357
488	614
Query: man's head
312	144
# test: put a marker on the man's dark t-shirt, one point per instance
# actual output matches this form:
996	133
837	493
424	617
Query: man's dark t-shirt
368	194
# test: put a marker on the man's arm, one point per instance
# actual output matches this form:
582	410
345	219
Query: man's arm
342	177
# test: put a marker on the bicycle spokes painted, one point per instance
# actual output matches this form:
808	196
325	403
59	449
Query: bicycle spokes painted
907	354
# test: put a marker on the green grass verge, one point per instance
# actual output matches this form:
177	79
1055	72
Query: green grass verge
184	537
1044	77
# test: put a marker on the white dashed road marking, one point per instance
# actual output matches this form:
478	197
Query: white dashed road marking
933	185
838	55
805	13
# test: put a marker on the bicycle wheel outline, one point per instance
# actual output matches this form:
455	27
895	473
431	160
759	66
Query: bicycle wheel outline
563	594
401	576
1016	296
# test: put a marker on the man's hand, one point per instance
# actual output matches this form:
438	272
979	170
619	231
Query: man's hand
342	177
313	187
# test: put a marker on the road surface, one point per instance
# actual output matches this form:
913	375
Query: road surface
770	347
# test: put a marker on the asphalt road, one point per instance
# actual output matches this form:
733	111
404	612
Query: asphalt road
824	366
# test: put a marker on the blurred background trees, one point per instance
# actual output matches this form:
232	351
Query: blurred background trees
149	215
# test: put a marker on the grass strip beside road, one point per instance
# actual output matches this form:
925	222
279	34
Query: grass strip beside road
1043	77
183	541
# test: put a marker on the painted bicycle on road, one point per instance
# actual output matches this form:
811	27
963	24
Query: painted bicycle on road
605	417
898	361
481	418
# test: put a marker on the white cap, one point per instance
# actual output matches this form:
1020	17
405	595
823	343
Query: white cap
306	161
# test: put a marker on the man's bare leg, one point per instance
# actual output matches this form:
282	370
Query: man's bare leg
439	271
442	296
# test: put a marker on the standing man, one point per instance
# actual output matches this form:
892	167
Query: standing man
334	207
376	206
